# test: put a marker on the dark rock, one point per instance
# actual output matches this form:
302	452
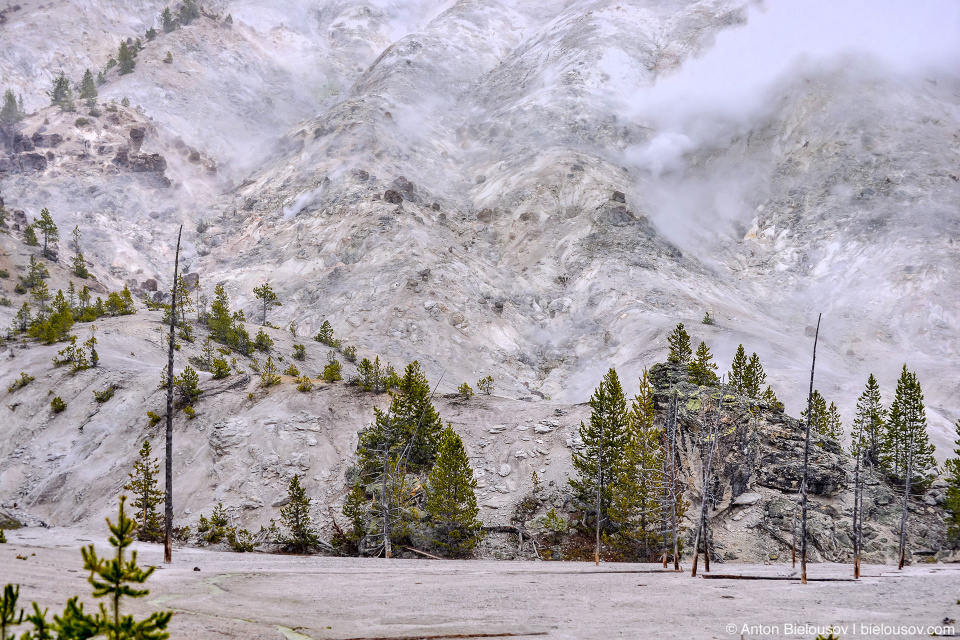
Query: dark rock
150	285
619	196
53	140
405	187
393	197
137	134
192	280
34	161
152	162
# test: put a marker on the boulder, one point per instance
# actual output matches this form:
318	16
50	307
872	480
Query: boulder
393	197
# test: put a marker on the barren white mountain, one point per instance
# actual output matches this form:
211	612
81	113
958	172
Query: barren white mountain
524	190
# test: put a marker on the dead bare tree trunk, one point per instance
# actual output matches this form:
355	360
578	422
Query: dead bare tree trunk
857	493
793	546
906	498
673	484
168	505
806	463
384	500
596	549
702	526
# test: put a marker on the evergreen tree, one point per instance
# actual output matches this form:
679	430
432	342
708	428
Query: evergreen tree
10	113
754	377
834	426
906	443
48	228
411	426
952	503
101	79
450	500
702	370
143	484
268	299
635	510
599	462
820	420
737	378
167	21
189	12
30	236
23	320
125	59
219	320
680	350
88	89
868	425
151	34
41	295
61	95
302	537
79	263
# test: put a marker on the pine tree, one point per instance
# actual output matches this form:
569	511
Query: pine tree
151	34
48	228
88	89
820	420
61	95
952	503
30	236
834	426
167	21
754	377
189	12
10	113
737	378
868	425
702	370
636	511
220	321
79	263
125	59
411	425
143	484
450	500
23	320
114	579
906	443
268	299
680	350
302	537
41	295
599	461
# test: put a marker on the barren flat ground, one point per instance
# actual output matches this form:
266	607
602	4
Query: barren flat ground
254	596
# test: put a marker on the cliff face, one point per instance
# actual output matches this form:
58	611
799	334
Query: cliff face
754	486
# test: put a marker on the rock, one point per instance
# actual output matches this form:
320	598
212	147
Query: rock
542	428
404	187
747	499
393	197
504	470
520	454
150	285
619	196
196	568
282	502
34	161
137	134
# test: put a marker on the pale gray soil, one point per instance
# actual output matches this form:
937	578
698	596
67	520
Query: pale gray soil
255	596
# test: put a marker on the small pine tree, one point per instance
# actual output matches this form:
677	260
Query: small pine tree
10	113
126	59
143	484
819	420
450	500
302	537
869	423
61	95
680	350
263	342
114	579
737	378
48	228
906	443
151	34
834	426
79	263
702	370
88	89
167	21
465	391
485	385
268	374
187	387
332	370
598	462
267	298
30	236
325	335
952	503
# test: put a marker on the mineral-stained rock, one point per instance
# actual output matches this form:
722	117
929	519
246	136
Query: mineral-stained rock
393	197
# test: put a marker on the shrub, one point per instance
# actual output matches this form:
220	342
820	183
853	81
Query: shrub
103	396
57	405
268	374
220	368
190	411
20	382
4	273
292	371
299	352
325	335
304	383
485	385
707	318
263	342
187	386
350	353
465	391
81	122
332	371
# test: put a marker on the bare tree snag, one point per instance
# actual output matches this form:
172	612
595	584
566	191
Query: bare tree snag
168	506
906	497
806	463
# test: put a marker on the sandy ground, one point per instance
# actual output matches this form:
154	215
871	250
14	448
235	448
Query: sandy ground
255	596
